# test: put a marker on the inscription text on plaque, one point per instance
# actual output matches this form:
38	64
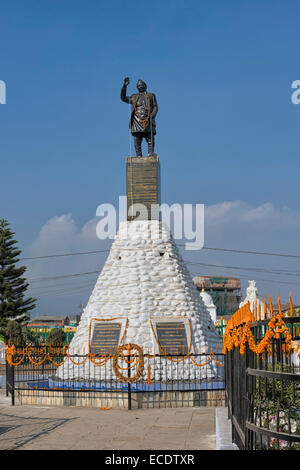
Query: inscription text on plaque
105	338
172	337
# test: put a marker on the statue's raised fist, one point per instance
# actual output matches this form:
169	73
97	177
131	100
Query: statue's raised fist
126	81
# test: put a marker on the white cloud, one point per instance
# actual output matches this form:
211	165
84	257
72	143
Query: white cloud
60	234
216	214
56	234
241	213
229	224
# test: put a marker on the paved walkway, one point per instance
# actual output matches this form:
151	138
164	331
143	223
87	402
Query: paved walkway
69	428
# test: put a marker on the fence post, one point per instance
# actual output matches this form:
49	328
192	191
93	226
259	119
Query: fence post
10	382
129	384
248	402
232	391
6	376
13	385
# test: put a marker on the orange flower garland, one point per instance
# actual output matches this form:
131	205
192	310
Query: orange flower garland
238	331
144	123
139	362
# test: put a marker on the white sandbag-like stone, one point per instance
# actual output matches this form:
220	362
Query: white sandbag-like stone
145	279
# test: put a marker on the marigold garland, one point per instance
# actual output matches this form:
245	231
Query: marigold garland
216	361
201	365
140	362
137	113
149	374
102	359
238	332
37	363
58	364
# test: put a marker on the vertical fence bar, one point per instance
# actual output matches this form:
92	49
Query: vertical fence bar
12	385
129	384
6	374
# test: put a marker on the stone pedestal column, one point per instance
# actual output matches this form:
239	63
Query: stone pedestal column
143	187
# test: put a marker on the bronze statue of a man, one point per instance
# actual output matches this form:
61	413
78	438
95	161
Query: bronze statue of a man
142	120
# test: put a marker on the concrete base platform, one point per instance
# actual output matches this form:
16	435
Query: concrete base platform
27	427
120	400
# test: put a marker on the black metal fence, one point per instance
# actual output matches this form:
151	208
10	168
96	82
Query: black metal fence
263	392
196	380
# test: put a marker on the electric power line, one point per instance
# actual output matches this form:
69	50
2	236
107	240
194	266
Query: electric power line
279	272
262	253
63	254
71	289
63	276
260	270
252	252
76	275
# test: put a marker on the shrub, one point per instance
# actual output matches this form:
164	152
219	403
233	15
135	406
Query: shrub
56	337
13	333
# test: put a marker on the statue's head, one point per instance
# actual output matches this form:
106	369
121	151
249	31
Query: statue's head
141	86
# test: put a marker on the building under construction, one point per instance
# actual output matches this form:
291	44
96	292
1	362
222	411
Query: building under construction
225	292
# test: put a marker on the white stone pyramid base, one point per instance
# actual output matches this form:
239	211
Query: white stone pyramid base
145	280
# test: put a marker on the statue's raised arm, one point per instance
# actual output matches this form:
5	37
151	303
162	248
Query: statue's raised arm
124	96
142	120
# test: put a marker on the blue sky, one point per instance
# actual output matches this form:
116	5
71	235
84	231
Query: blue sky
228	133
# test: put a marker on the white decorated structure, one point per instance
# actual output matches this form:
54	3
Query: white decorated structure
144	294
143	282
209	304
252	297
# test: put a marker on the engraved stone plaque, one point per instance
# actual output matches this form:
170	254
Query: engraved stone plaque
143	186
105	338
172	337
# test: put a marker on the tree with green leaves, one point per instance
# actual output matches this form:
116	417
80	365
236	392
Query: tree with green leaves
14	305
20	336
56	337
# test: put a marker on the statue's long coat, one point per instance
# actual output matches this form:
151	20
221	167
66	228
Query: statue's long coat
140	119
